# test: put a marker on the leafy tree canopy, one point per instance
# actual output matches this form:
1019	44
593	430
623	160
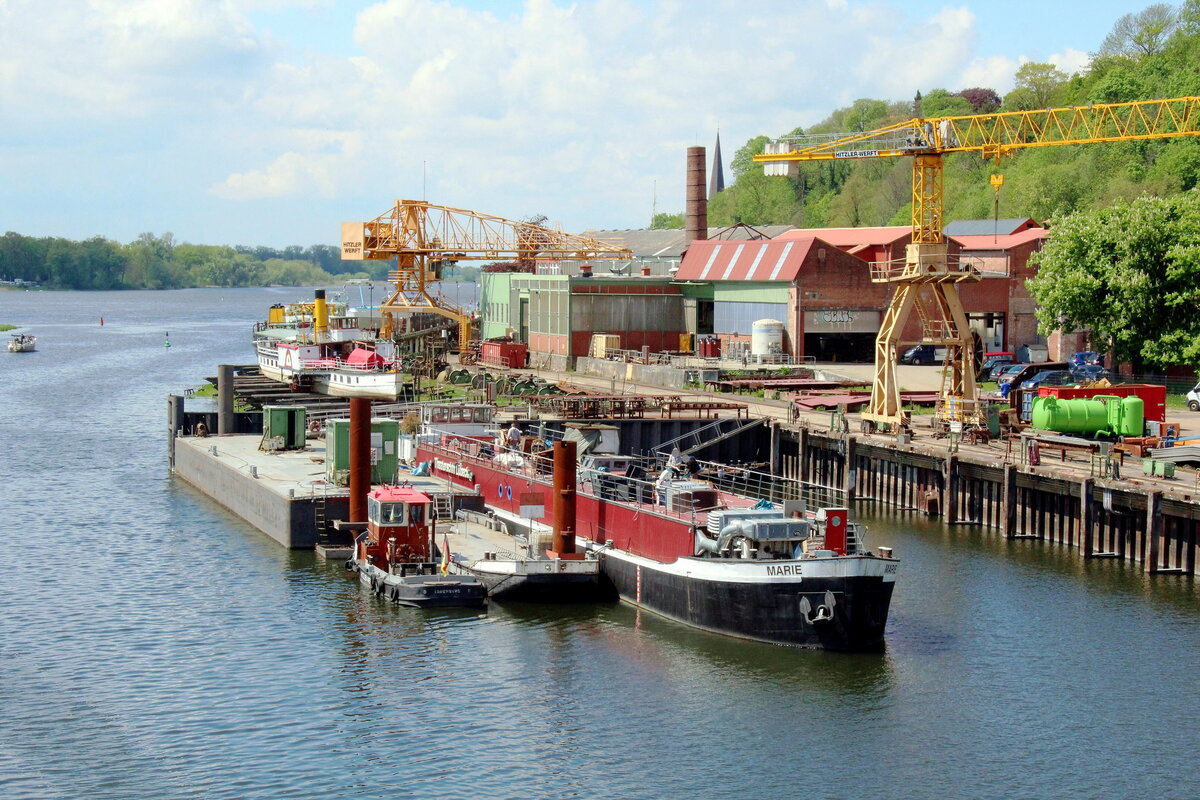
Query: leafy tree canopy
1039	182
1131	274
1142	34
664	221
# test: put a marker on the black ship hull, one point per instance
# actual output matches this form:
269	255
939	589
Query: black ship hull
835	606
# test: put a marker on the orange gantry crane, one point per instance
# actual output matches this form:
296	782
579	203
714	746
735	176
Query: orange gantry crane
928	278
423	237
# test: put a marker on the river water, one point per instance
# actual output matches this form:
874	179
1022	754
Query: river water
153	645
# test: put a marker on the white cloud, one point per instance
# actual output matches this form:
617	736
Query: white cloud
569	109
108	58
992	72
315	169
1070	60
605	93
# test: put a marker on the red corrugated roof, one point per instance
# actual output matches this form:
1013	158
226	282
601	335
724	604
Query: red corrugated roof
772	260
850	237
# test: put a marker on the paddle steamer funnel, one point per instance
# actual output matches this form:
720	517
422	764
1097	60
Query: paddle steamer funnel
696	209
320	317
360	457
563	541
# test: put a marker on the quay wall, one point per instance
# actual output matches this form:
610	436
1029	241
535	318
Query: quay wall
294	522
1150	523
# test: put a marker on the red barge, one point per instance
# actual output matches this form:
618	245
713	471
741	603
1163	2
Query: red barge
707	558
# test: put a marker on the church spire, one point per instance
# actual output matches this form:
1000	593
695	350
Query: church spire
717	183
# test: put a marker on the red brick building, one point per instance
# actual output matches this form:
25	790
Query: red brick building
818	283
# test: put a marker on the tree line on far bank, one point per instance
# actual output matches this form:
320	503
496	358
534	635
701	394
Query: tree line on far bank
159	262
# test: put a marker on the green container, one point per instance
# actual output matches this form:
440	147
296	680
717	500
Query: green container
1148	466
1069	416
384	453
992	415
1132	421
287	423
1164	469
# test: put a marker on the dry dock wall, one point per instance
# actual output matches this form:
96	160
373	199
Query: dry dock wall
293	522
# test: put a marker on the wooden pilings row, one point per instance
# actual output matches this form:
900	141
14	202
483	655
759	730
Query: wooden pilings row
1101	518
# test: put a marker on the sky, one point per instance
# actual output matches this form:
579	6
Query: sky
271	122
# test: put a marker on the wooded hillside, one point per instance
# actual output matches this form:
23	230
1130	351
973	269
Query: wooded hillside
1150	54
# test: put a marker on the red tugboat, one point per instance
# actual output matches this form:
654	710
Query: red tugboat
394	556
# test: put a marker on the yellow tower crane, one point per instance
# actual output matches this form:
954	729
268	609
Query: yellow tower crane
423	237
927	268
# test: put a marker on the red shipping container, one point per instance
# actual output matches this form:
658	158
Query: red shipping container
503	354
1154	397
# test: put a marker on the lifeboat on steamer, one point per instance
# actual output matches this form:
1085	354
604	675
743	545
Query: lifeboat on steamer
398	559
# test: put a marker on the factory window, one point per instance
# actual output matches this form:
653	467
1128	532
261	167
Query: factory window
729	317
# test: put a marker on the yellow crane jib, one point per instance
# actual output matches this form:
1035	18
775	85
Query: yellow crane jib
926	264
422	237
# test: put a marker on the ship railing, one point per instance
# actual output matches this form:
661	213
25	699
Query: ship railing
752	483
604	486
346	366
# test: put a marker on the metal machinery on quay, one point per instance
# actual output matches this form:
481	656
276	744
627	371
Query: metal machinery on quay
929	277
423	238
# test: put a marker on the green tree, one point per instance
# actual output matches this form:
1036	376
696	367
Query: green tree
664	221
1042	80
1131	274
743	159
1020	99
940	103
1141	34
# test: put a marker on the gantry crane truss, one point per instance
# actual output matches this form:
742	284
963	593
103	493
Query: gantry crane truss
422	237
926	265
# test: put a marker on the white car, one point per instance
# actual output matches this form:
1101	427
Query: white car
1193	398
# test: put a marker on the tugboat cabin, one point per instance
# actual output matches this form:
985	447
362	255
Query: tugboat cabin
399	527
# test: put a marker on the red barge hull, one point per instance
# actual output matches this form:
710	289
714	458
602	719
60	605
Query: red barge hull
651	563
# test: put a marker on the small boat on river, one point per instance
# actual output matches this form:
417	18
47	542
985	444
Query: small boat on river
22	343
395	555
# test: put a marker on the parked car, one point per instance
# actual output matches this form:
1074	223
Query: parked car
1193	398
1027	371
1087	357
1049	377
991	361
1090	373
923	354
1003	374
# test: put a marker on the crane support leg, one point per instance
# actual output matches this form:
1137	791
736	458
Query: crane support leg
885	391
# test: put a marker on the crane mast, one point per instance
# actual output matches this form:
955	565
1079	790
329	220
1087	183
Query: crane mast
423	237
928	278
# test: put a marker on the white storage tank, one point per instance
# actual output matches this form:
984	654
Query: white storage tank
766	337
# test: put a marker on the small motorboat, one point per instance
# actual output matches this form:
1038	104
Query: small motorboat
394	556
22	343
